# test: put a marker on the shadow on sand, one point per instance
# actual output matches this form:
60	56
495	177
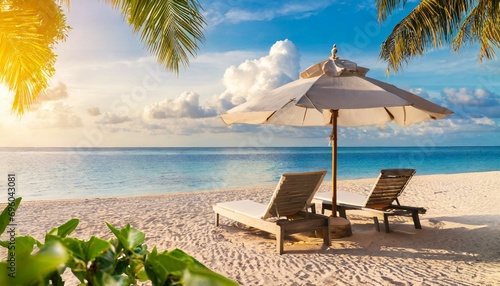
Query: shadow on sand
459	238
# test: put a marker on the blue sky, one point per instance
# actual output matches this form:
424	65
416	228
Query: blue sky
108	90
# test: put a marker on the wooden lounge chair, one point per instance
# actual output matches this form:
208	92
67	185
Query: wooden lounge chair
389	186
286	212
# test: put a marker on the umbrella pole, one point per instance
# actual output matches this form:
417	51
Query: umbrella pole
333	138
340	227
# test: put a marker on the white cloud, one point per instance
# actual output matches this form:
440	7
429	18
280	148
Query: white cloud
59	91
56	92
441	128
469	97
184	126
255	77
237	15
484	121
187	114
224	12
420	92
94	111
56	115
113	118
471	103
242	82
186	105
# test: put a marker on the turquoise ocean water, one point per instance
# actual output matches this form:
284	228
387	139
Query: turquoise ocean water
62	173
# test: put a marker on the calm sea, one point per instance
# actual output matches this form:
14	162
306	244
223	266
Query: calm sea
61	173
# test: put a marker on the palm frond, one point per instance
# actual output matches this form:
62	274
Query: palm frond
386	7
28	31
63	2
170	29
482	25
22	53
431	24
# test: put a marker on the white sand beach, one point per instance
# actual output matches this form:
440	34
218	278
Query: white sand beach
458	245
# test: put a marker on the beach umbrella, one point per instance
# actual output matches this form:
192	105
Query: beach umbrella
335	92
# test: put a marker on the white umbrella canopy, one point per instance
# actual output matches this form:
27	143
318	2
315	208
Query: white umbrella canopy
360	101
335	92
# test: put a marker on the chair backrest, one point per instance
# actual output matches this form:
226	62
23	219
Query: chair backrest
293	193
389	186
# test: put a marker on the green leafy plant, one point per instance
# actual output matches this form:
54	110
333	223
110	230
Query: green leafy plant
123	260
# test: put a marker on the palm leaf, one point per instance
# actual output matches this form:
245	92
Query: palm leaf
435	23
170	29
23	57
481	25
28	30
431	24
386	7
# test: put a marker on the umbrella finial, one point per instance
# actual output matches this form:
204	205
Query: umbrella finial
334	52
333	66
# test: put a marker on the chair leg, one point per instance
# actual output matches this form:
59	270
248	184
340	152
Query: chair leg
280	237
313	208
386	223
342	212
327	238
324	207
377	226
416	220
216	219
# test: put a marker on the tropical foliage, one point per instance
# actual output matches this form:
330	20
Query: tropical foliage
124	260
435	23
29	29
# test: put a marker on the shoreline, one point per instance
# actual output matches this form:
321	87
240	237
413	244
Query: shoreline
327	180
457	245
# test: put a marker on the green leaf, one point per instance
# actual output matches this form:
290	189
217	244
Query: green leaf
65	229
86	250
195	275
186	258
77	247
140	250
129	237
108	266
170	30
103	278
136	264
96	247
48	259
198	274
106	261
142	276
24	245
96	250
56	280
78	263
155	269
178	266
8	214
79	268
34	269
165	266
121	267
